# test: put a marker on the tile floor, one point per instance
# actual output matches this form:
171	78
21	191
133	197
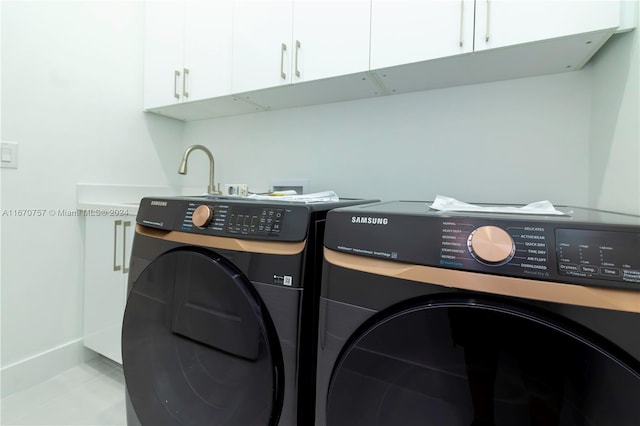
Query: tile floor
91	394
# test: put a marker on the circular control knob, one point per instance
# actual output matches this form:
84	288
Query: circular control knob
491	245
202	216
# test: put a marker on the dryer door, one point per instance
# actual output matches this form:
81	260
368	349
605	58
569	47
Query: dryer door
471	362
198	346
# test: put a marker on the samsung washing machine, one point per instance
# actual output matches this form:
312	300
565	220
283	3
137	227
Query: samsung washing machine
431	318
220	321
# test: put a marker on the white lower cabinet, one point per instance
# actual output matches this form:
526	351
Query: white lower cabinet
106	267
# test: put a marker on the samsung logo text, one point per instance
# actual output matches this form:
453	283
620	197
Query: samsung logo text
368	220
159	203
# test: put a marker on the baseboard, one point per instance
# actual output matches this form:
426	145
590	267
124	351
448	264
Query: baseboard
38	368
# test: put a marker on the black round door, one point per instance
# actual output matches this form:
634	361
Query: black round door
198	346
470	362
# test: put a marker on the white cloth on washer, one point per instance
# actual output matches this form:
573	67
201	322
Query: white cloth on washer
449	204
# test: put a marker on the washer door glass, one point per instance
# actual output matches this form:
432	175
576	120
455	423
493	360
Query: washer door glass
198	346
476	363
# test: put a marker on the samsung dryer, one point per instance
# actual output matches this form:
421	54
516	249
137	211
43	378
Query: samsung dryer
432	318
220	321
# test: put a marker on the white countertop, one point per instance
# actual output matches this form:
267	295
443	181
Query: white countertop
119	199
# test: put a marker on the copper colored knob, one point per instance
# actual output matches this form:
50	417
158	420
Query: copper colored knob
202	216
490	244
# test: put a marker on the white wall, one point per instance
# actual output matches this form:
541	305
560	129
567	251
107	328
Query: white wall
615	125
72	99
572	138
511	141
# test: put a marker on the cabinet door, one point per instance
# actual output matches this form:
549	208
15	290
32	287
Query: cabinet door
207	49
406	31
163	53
107	252
505	22
331	38
262	50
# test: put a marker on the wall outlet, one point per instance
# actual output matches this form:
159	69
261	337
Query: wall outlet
236	189
301	186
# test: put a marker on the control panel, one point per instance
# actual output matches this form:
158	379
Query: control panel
541	250
587	247
607	255
233	219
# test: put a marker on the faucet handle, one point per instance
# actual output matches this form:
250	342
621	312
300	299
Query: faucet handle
213	191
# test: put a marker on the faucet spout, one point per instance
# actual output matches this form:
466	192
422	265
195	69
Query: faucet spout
183	166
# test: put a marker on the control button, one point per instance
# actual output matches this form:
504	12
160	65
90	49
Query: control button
589	269
568	267
612	272
631	275
491	245
202	216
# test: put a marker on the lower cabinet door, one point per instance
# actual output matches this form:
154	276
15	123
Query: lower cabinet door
107	249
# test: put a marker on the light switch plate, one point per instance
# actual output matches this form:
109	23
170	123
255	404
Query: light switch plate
9	155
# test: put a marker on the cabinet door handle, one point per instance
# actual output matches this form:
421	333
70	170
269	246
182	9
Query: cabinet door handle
486	36
283	49
125	225
176	76
185	74
116	223
297	52
461	23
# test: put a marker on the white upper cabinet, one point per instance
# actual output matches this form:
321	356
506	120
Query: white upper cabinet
406	31
207	48
261	44
240	56
163	53
330	38
413	43
187	51
501	23
283	42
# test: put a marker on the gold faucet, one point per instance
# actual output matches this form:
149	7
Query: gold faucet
183	166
